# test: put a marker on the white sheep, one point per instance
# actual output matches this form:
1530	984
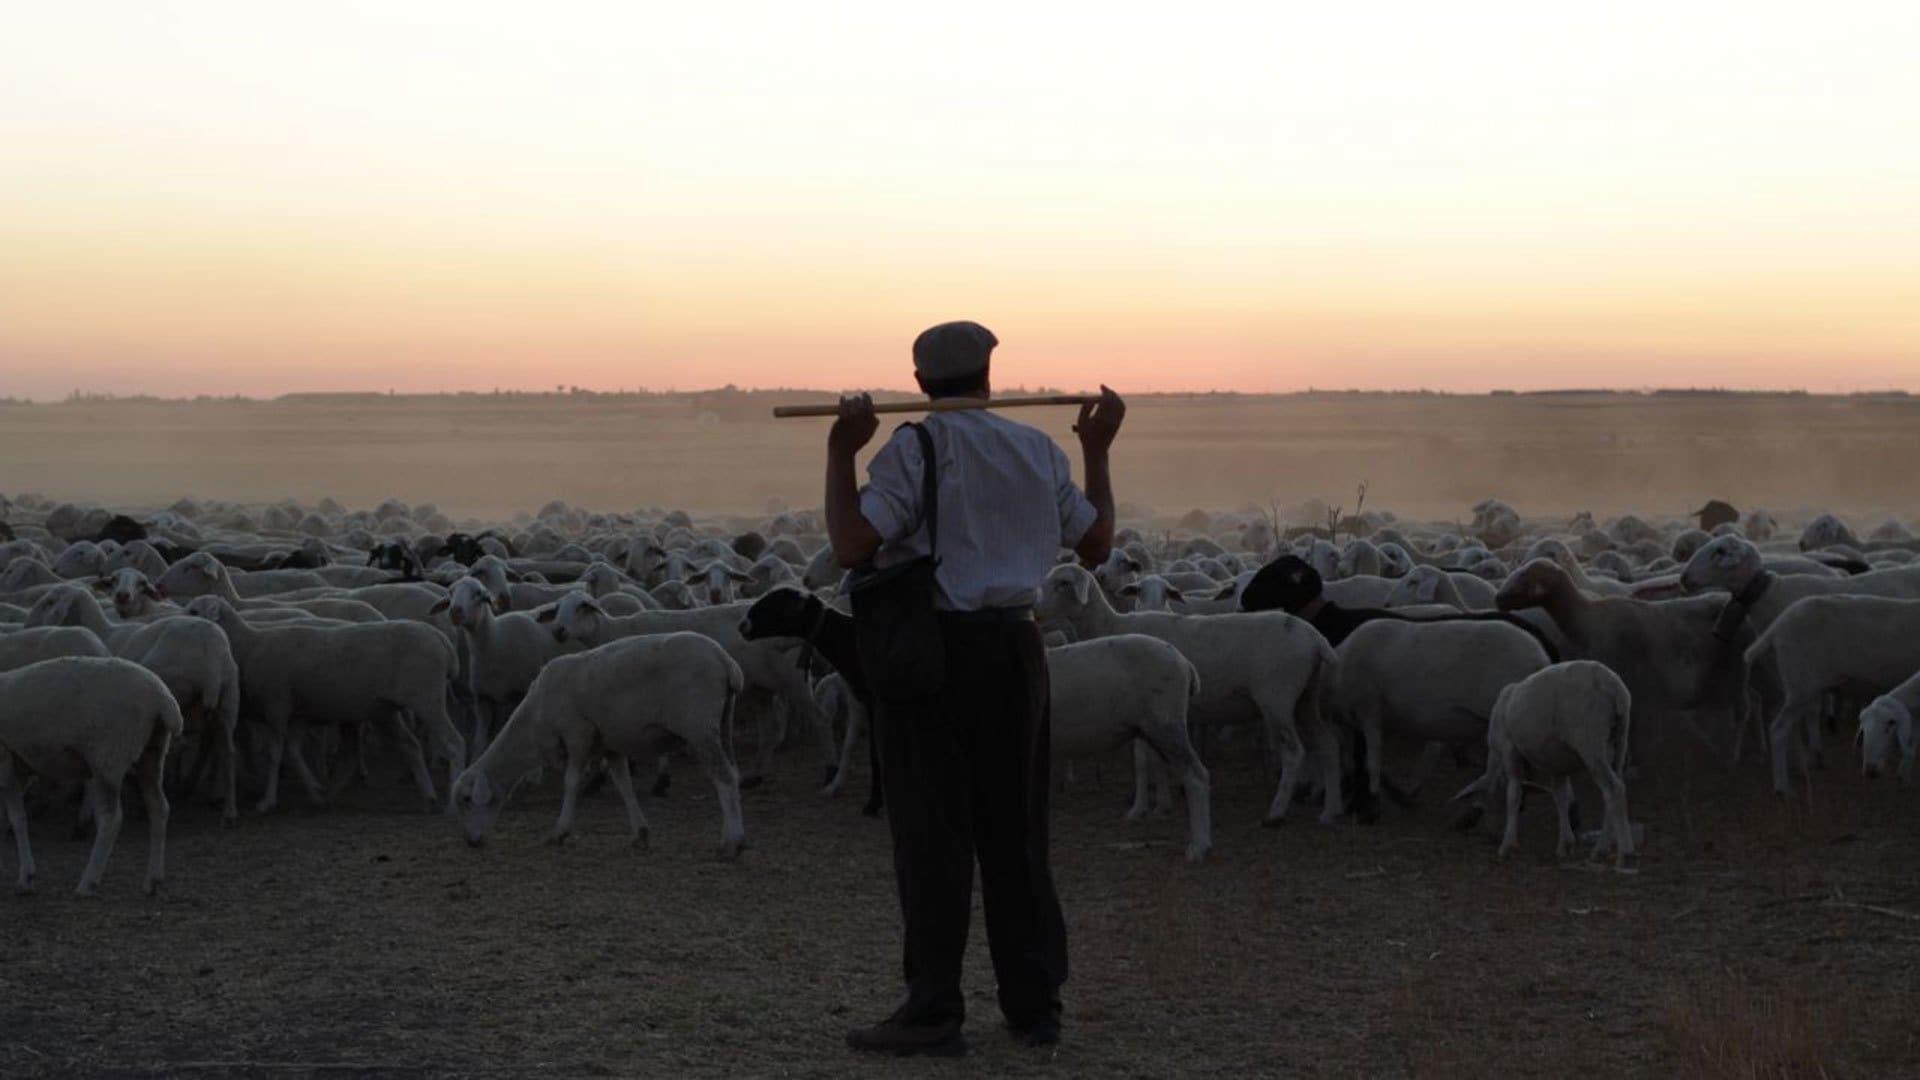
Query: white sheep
94	719
30	645
1429	681
635	697
506	652
1267	665
1887	720
193	660
1862	645
1557	721
298	674
202	574
770	666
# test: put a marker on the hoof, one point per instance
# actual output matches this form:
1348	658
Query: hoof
1627	864
748	783
730	850
228	821
1468	819
24	888
642	840
476	841
85	890
1197	853
661	784
831	772
558	840
871	810
1272	822
152	887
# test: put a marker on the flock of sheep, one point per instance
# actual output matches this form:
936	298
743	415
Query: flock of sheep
200	650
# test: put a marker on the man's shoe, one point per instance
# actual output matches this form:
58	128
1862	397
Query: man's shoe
1044	1032
909	1040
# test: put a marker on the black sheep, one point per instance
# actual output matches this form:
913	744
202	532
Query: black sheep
792	613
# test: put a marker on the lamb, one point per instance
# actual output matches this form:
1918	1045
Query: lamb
1268	665
94	719
298	674
634	697
1435	682
506	652
1547	726
1668	653
193	660
1886	720
1861	645
768	666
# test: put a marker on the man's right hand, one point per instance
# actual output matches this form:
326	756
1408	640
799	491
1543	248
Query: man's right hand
1099	422
855	425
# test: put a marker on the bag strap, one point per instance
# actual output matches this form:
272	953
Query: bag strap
929	488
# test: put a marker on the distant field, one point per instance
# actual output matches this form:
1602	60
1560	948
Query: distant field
1423	455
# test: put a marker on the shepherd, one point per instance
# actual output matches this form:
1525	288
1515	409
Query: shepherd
961	519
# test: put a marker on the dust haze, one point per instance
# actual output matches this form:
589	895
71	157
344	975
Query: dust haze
1421	455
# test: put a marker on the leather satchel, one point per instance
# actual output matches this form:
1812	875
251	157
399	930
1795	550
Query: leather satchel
895	626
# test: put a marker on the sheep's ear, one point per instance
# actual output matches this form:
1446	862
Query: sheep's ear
1175	595
515	575
502	604
148	588
102	584
1134	564
1131	588
546	614
1083	588
736	575
439	606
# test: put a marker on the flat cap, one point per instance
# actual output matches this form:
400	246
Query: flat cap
952	350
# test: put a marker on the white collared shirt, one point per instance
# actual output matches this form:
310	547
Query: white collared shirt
1008	504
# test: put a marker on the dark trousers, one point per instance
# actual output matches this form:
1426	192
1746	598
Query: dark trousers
966	777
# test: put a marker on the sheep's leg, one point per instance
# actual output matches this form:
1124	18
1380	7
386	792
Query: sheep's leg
1563	807
432	711
850	712
276	749
416	760
1510	838
726	784
107	815
1613	796
1142	796
230	756
1176	751
1283	741
1332	782
296	757
14	793
622	771
150	767
1784	745
569	797
662	775
482	711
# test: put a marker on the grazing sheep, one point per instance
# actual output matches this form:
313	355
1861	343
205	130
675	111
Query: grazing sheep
634	697
94	719
1555	722
1889	719
1268	666
1858	645
299	674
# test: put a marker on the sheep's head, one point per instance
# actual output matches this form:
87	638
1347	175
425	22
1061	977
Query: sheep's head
575	617
674	596
1883	723
1119	570
492	571
780	613
716	580
600	578
210	608
1153	593
1826	531
1287	583
1324	558
477	803
467	603
57	606
1726	562
196	575
1420	586
1067	593
132	593
1359	557
1533	585
25	574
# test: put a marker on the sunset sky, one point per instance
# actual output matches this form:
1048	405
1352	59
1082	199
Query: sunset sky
265	197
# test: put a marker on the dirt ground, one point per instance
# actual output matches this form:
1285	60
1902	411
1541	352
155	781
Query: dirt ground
1760	938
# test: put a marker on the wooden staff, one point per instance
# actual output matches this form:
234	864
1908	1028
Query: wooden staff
955	404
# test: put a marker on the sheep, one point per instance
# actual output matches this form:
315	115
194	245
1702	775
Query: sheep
83	559
1430	585
1886	720
30	645
1153	593
1436	682
1827	531
1495	523
298	674
94	719
630	698
1863	645
1550	548
202	574
193	660
1268	665
716	581
1668	652
1562	718
768	665
1761	595
507	650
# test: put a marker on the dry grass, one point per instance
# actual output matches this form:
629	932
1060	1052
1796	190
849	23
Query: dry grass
1725	1027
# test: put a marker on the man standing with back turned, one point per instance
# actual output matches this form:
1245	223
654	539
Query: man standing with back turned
965	771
